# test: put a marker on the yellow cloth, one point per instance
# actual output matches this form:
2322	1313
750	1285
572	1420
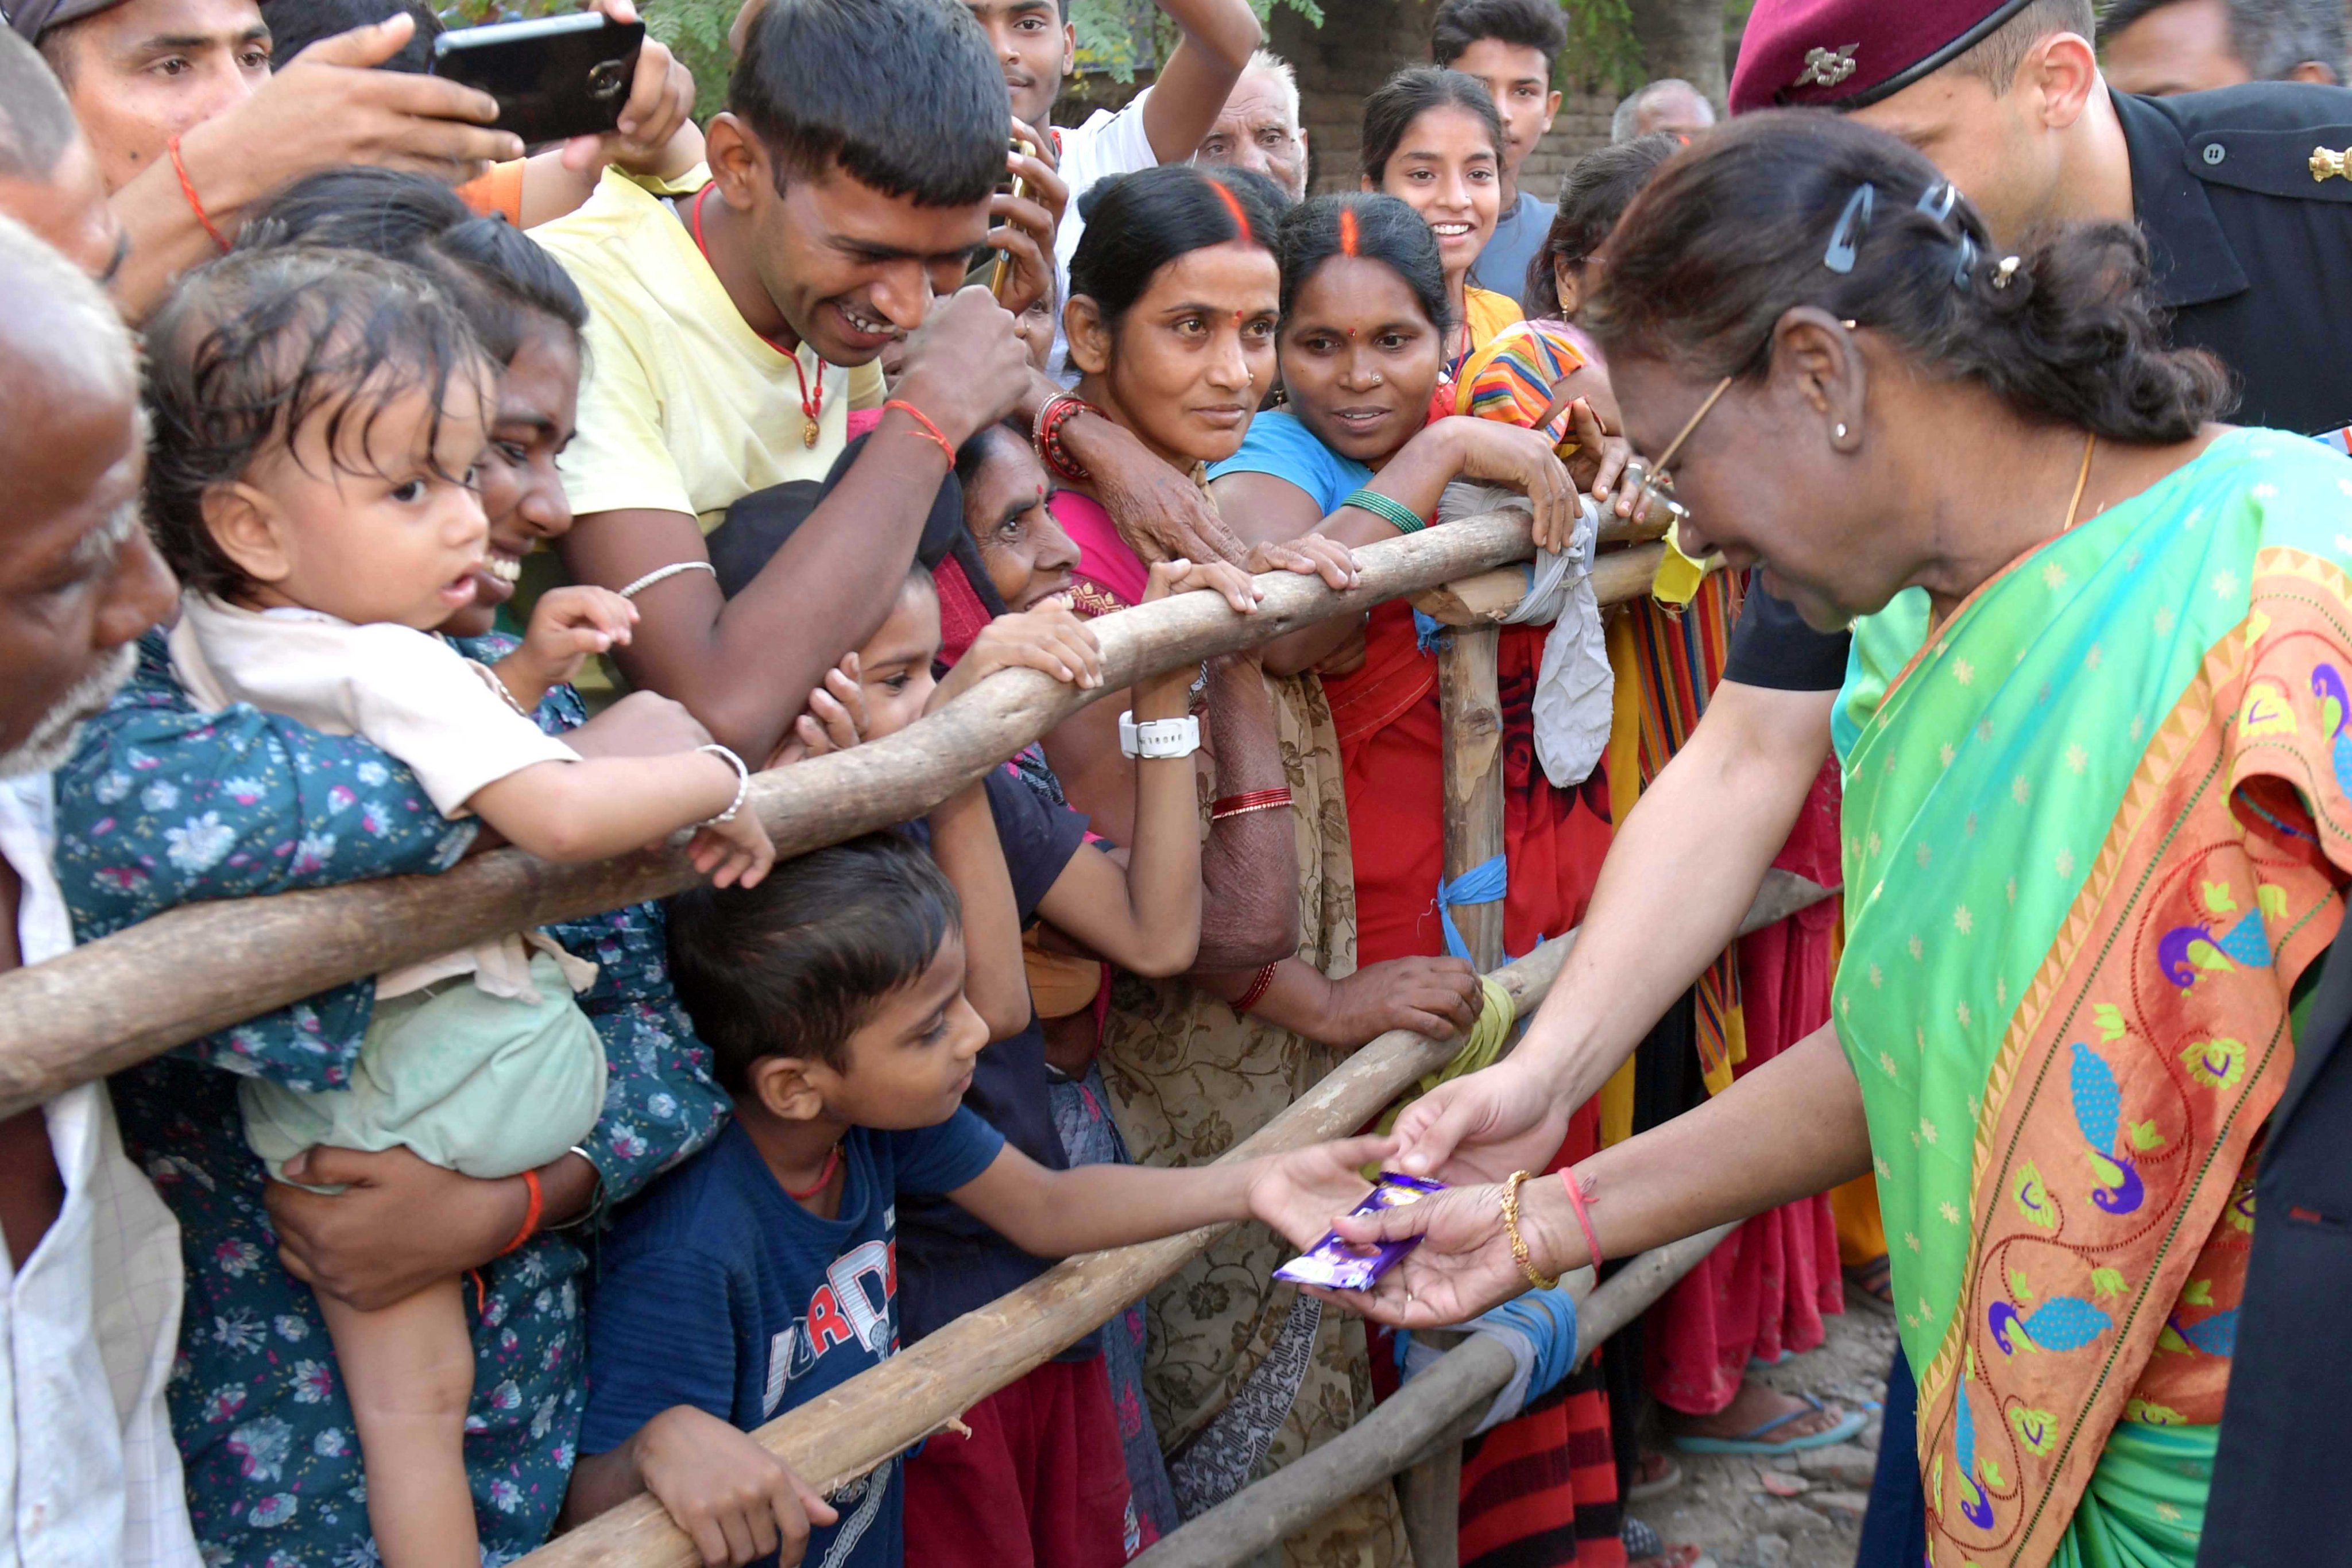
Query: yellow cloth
1677	581
1862	1237
1488	313
1482	1048
683	408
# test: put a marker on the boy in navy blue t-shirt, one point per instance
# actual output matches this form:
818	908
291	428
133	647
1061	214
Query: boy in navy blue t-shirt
763	1271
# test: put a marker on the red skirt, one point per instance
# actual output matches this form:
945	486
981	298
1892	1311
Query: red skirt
1541	1490
1764	1292
1391	744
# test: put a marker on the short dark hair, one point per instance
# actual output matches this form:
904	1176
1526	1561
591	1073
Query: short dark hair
1374	226
976	449
1529	23
2270	37
501	279
296	25
252	347
1138	223
36	123
1735	232
797	964
1993	60
903	95
1396	103
1593	194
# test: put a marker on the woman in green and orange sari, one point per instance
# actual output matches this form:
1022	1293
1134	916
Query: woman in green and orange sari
2097	739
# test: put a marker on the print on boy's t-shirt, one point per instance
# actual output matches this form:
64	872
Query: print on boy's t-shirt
721	1293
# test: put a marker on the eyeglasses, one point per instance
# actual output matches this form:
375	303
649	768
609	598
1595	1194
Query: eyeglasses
1653	486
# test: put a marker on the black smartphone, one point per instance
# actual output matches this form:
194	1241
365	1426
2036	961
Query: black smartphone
554	78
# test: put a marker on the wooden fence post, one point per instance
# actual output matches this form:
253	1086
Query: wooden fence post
1470	715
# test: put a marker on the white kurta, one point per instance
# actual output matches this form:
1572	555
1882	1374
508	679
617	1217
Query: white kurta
89	1324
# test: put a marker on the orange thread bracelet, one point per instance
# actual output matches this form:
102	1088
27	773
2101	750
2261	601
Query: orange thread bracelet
930	432
188	189
1583	1215
530	1216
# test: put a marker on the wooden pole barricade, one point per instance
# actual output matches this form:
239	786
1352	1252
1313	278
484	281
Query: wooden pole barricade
1437	1408
198	968
846	1431
203	967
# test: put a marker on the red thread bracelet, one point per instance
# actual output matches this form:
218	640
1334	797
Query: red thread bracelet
1248	801
930	432
1258	988
532	1216
1583	1215
188	189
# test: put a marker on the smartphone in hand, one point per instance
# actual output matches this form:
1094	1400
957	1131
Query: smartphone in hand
554	78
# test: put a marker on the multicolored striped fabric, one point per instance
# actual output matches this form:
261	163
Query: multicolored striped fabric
1667	662
1513	380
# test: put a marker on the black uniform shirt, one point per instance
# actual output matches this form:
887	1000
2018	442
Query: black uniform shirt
2251	254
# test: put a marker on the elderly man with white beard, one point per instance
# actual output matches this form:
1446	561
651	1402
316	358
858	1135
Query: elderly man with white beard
89	1259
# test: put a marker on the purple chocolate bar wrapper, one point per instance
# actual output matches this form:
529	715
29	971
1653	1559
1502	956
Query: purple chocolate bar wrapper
1341	1265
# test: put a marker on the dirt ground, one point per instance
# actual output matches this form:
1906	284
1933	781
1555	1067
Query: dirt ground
1804	1510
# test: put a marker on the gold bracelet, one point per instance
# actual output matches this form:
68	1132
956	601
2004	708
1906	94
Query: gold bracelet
1518	1243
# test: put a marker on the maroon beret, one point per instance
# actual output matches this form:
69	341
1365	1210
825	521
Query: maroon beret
1844	54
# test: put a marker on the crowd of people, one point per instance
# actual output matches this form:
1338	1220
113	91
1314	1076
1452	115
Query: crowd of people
384	491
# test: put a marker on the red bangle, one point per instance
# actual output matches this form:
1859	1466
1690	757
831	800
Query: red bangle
531	1216
930	432
1058	412
188	189
1583	1215
1258	988
1248	801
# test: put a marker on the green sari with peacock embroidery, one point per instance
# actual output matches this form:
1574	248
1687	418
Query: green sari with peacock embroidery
2095	828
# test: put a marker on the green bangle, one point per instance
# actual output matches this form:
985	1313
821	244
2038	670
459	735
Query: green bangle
1393	512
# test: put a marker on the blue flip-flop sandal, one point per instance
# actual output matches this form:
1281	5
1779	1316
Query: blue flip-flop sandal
1753	1441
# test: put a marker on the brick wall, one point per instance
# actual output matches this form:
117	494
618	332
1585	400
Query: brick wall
1353	52
1581	125
1359	44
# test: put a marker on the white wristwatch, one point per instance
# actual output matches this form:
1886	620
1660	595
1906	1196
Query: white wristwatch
1158	738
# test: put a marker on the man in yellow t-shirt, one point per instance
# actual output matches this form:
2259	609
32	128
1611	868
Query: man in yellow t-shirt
734	323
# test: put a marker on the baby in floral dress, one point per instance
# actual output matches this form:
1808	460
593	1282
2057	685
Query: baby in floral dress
318	419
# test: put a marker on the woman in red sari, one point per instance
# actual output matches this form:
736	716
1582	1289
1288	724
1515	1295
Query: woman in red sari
1360	350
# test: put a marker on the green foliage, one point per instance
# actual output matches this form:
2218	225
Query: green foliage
1602	50
479	12
696	31
1118	37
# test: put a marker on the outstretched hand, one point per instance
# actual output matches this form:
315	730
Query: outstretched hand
1463	1267
1482	1127
735	853
1297	1193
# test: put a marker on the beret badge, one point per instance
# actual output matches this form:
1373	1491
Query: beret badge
1827	67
